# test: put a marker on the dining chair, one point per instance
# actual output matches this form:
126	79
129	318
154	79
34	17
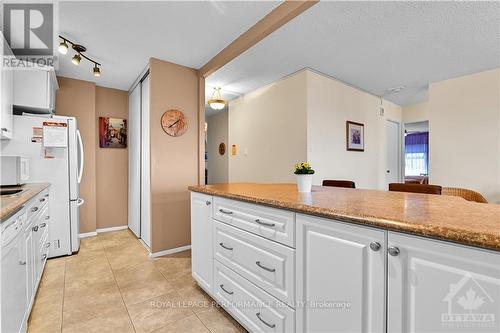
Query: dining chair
467	194
415	188
339	183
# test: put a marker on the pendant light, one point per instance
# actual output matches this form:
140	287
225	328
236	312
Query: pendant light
97	71
217	103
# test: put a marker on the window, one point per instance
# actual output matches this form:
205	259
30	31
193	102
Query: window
417	154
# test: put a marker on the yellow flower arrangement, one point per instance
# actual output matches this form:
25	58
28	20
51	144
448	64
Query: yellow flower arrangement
303	168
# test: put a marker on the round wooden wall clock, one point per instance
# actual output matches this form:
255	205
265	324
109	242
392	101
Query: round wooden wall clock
174	123
222	148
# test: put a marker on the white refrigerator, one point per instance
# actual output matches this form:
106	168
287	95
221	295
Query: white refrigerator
61	166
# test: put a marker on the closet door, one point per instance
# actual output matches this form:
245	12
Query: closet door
134	160
145	165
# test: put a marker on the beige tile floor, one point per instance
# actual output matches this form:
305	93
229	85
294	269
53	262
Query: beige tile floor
112	285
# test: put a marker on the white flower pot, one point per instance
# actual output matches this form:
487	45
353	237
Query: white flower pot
304	183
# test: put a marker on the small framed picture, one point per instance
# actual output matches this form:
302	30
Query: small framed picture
355	136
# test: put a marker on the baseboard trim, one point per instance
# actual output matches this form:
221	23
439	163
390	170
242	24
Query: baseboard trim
121	227
170	251
87	234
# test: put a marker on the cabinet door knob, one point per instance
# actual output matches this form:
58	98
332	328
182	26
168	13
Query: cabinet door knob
35	228
22	262
393	251
43	225
208	203
42	199
34	209
47	245
375	246
4	129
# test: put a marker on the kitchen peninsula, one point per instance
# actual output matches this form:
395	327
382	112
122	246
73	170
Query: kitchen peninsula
343	260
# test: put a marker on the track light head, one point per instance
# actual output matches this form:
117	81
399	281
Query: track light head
76	59
63	47
97	71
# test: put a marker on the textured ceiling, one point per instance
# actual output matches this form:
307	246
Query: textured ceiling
375	46
123	35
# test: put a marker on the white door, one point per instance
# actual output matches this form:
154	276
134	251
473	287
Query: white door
134	161
393	144
201	240
435	286
145	171
340	276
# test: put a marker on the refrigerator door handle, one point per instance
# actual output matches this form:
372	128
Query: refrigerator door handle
80	202
80	146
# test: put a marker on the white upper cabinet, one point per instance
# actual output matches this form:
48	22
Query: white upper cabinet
340	277
435	286
6	93
201	240
35	89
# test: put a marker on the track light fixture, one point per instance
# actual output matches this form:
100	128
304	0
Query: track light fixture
79	49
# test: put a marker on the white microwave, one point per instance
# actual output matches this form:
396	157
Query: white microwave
15	170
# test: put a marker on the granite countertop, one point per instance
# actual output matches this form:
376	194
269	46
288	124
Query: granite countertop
9	204
436	216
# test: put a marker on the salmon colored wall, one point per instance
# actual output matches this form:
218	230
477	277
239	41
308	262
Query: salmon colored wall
76	98
111	163
174	160
105	176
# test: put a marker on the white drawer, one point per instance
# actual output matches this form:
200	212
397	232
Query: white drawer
271	223
269	265
255	309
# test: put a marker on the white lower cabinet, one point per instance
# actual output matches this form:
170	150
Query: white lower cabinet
201	240
340	277
252	307
435	286
267	264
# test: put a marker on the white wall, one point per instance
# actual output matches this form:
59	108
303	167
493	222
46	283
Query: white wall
269	127
217	132
330	104
464	122
416	112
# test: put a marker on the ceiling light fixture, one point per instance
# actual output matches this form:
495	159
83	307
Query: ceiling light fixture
76	59
97	71
63	47
79	49
217	103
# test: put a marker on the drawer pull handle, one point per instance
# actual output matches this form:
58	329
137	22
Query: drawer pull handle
265	268
42	199
34	209
265	322
35	228
22	262
226	247
46	195
47	217
225	290
208	203
225	211
47	245
43	225
265	223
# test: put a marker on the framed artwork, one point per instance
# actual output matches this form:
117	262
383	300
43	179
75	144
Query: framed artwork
112	132
355	136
